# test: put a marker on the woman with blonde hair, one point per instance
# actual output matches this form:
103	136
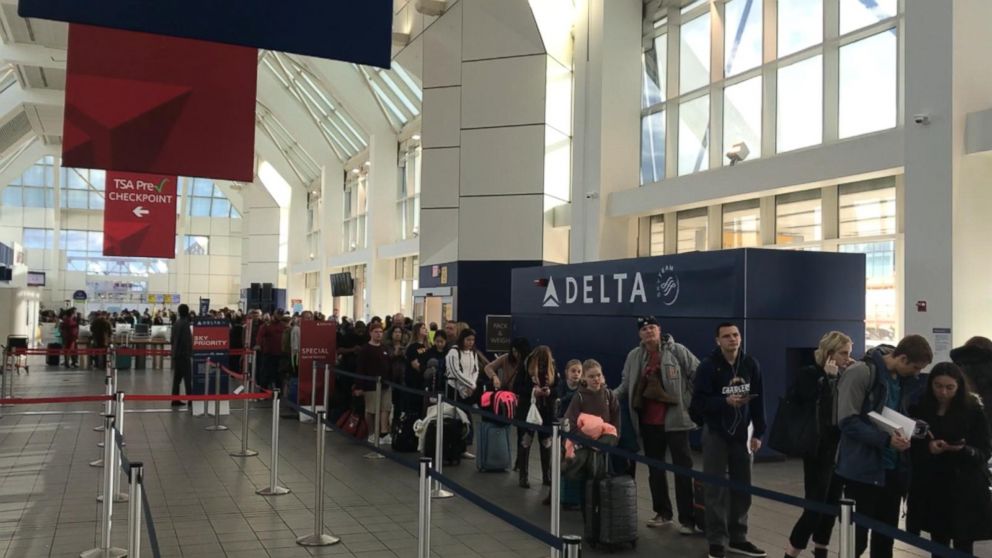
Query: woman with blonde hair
816	385
536	385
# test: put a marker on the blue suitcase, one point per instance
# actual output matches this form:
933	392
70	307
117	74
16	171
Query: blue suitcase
493	447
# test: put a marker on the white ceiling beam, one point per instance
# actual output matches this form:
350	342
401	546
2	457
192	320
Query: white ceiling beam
269	151
351	90
34	55
24	160
291	113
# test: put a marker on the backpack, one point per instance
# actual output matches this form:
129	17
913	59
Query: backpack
502	403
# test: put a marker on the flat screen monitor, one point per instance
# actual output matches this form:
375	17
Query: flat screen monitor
342	284
36	278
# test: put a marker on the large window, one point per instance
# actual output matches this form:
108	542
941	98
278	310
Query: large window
819	78
408	192
799	217
800	104
880	289
868	208
868	85
694	135
83	251
656	233
207	200
742	35
740	224
196	245
742	116
692	226
355	209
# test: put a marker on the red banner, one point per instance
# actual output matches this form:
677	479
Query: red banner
148	103
318	343
139	218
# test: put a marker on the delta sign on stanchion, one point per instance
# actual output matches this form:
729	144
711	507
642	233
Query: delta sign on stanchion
318	344
139	219
211	341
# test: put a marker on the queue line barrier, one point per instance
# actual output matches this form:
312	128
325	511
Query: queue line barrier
847	528
99	351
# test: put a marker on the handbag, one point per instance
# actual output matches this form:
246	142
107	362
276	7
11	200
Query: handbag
533	415
796	429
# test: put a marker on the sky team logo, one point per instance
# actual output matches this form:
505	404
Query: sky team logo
667	287
551	295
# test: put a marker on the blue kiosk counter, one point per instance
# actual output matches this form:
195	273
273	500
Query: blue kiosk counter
782	300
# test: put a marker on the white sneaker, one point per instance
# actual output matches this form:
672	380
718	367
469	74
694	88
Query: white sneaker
687	529
659	521
386	440
468	455
371	439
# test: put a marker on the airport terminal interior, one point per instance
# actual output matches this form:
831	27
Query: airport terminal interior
696	161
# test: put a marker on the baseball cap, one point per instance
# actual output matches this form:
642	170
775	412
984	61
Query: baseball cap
647	320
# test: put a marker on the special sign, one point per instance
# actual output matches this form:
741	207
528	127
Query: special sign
318	343
139	218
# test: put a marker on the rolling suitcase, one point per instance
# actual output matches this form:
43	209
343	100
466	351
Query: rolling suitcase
454	441
493	447
611	512
53	359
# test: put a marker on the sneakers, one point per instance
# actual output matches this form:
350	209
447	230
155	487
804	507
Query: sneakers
747	549
716	551
468	455
371	439
659	521
385	440
687	530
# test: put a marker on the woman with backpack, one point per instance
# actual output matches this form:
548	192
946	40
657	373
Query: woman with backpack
535	383
816	385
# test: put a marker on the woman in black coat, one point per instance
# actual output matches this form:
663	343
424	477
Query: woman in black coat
535	382
949	491
975	360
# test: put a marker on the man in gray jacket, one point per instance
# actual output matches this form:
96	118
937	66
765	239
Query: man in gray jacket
657	385
873	463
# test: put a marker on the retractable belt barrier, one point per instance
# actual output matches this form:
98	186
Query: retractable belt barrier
91	351
877	526
132	471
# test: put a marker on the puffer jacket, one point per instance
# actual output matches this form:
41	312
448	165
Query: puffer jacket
862	389
678	372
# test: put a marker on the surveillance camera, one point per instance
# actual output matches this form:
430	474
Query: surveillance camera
592	195
921	118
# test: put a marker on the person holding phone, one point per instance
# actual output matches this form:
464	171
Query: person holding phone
727	401
949	492
817	385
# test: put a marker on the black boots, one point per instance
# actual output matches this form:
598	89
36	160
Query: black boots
523	465
545	465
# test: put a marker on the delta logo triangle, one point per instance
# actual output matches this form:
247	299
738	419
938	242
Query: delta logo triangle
551	295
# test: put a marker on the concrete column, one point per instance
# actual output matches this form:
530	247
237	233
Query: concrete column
971	91
929	166
383	226
607	125
260	249
331	217
298	250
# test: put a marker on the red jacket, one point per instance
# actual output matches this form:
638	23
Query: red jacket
270	337
69	328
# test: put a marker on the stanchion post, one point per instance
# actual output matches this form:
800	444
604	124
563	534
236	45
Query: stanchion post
274	489
439	491
319	538
313	387
572	546
245	452
110	459
136	477
216	426
327	383
556	484
119	495
378	421
253	378
111	360
847	529
424	519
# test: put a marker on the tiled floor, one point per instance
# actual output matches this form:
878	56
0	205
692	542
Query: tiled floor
204	500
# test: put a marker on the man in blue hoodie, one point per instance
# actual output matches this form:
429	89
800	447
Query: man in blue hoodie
727	400
873	463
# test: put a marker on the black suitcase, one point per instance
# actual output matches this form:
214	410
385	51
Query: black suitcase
404	438
611	512
454	441
53	359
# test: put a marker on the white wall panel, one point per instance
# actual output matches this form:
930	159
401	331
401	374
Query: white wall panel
439	177
439	240
442	47
504	92
501	228
441	123
264	248
498	29
498	161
